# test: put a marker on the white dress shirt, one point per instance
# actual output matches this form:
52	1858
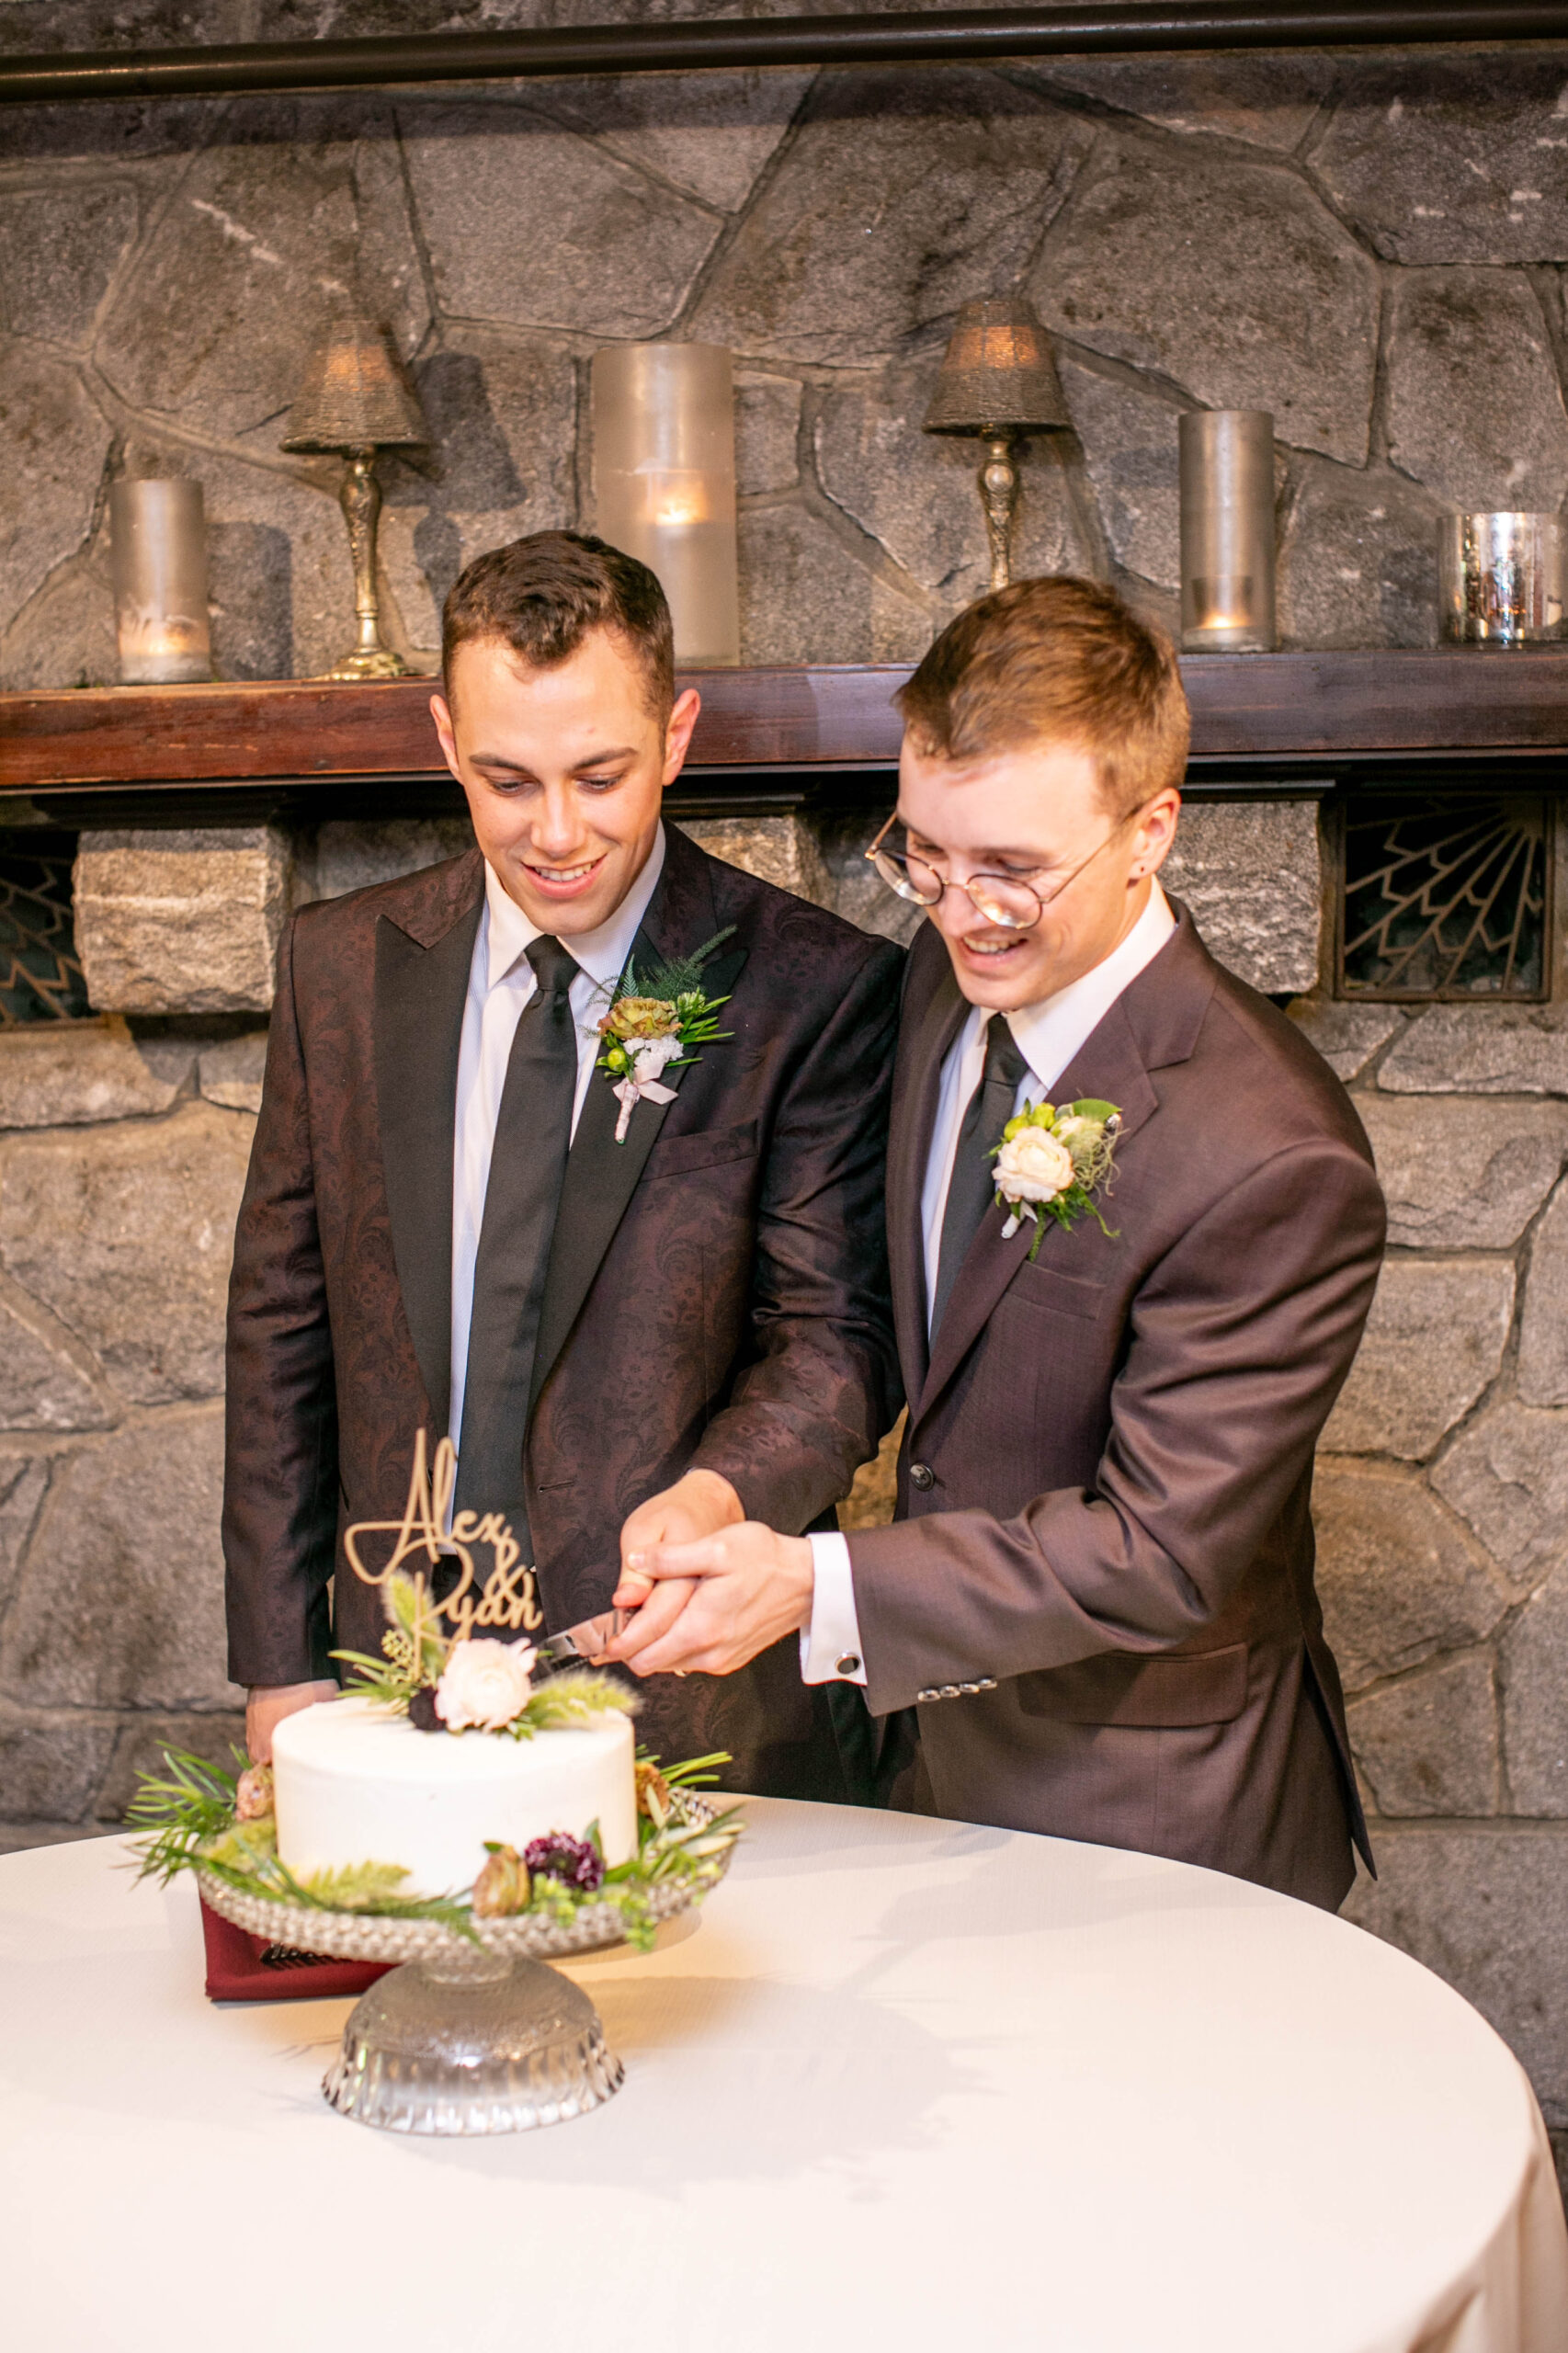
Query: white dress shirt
1048	1035
500	982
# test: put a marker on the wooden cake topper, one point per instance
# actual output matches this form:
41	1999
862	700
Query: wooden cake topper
507	1596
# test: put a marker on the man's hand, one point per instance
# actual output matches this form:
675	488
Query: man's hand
738	1592
698	1505
268	1704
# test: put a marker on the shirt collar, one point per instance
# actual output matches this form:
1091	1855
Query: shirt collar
1049	1033
601	954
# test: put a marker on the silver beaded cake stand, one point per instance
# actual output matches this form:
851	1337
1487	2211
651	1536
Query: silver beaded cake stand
461	2037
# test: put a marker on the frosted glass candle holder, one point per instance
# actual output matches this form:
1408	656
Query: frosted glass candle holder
1227	530
158	536
664	483
1501	578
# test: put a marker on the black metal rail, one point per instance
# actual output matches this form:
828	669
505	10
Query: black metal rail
893	39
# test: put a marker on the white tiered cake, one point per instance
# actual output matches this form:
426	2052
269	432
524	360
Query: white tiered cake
354	1784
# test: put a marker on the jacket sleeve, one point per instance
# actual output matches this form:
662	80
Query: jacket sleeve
823	1384
281	1460
1240	1339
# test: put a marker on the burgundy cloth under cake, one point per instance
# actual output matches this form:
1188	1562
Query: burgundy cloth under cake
243	1968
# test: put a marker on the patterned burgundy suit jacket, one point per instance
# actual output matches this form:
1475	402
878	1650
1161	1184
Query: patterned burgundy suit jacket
717	1291
1106	1482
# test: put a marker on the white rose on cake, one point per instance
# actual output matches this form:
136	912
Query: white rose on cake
484	1684
1033	1167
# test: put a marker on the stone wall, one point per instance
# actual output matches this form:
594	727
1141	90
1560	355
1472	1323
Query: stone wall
1372	248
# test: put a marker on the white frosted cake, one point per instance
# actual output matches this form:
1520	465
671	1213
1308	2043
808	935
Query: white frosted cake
357	1785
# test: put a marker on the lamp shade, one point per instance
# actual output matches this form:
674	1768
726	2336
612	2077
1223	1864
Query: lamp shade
354	395
997	373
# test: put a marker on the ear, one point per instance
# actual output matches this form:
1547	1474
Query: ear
677	732
441	711
1155	832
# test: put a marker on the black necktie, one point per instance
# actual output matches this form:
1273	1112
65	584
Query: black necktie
975	1180
528	1164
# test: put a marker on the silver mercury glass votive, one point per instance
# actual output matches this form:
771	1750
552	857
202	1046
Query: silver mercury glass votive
1500	578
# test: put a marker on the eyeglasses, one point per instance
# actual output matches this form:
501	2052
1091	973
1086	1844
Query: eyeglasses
1003	899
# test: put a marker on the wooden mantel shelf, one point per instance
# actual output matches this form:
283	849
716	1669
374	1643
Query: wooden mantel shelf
1246	708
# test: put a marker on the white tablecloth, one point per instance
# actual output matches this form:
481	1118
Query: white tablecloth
905	2085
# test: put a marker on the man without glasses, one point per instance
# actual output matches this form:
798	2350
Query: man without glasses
627	1340
1098	1596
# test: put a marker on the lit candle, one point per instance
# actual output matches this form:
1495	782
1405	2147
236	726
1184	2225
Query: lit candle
158	536
664	482
1227	530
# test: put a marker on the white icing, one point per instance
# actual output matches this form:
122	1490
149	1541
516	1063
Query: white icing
356	1785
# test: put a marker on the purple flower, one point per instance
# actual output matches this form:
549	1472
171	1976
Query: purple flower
559	1856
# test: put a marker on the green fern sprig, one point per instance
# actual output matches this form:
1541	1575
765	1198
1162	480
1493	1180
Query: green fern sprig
674	977
196	1803
574	1697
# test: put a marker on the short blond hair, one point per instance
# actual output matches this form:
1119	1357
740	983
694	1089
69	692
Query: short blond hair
1058	660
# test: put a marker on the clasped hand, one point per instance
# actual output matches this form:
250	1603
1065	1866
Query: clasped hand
705	1600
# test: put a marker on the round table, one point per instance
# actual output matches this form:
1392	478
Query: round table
904	2084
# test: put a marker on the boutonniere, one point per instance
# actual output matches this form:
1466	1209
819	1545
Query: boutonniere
654	1022
1051	1163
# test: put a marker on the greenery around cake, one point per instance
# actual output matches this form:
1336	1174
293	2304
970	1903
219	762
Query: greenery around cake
197	1816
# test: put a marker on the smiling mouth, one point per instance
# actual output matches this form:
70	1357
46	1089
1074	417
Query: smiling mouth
563	878
991	946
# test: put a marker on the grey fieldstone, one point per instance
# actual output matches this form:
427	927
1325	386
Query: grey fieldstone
803	596
1544	1326
298	204
776	849
120	1599
140	1747
23	1479
503	423
1533	1656
1399	1578
1457	1178
49	1765
42	1386
181	921
1347	1036
529	225
65	635
1359	562
859	894
60	247
768	431
899	198
126	1235
1507	1477
279	578
55	442
1480	1049
1229	278
707	133
1429	1745
916	494
1250	873
1474	406
74	1074
1268	101
351	855
1433	1341
1130	442
1452	158
1487	1909
231	1071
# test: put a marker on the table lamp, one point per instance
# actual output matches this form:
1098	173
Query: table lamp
999	381
356	399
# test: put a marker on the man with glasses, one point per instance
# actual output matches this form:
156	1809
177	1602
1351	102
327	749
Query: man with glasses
1120	1335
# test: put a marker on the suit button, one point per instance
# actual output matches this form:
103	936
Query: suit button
921	1475
849	1663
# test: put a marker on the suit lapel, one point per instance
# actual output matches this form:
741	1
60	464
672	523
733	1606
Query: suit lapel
601	1175
420	988
931	1026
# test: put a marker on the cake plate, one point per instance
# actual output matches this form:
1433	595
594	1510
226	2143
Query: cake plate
464	2037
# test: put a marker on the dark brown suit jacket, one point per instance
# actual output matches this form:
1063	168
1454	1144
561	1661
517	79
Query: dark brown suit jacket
1108	1466
717	1290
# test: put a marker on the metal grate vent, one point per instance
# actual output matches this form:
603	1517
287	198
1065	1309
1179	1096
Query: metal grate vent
1444	897
39	977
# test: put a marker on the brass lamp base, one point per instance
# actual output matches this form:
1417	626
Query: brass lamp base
360	498
378	662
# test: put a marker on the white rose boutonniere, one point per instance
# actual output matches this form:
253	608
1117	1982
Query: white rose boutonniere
484	1684
1050	1163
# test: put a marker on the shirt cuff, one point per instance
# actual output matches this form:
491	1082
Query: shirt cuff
830	1644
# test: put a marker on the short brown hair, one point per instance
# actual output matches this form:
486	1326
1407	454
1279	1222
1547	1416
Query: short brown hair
542	594
1058	660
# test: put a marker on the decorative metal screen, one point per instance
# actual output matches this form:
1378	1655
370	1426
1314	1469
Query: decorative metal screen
39	977
1444	896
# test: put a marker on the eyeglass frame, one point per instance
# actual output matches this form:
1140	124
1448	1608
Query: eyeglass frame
1014	882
